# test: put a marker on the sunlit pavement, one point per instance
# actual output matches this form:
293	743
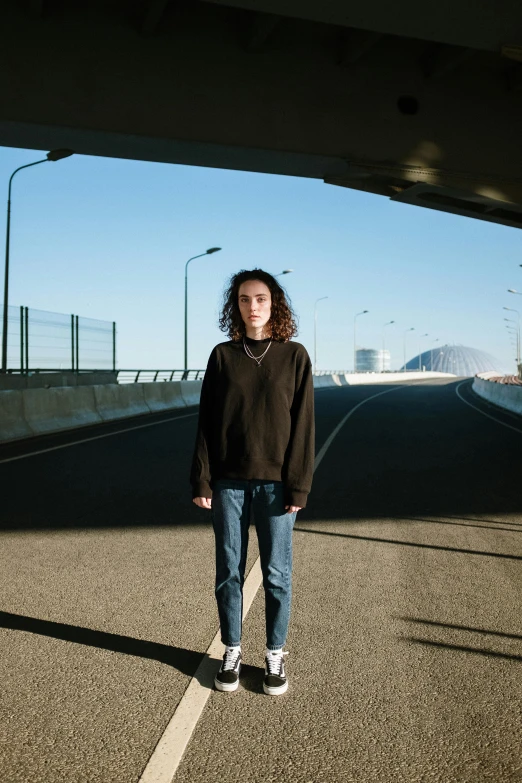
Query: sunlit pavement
405	640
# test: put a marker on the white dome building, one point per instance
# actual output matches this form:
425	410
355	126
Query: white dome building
456	359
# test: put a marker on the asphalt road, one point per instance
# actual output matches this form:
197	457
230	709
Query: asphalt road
405	640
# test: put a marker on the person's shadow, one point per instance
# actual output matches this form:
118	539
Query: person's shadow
189	662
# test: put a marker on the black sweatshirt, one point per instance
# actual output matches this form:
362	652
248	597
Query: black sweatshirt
256	422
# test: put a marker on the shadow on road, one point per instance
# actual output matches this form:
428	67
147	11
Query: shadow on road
492	526
451	627
454	627
185	661
408	543
462	648
416	452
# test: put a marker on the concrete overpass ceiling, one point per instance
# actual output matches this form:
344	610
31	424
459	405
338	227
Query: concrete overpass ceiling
403	100
476	24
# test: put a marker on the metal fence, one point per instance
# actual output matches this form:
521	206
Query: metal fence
40	340
155	376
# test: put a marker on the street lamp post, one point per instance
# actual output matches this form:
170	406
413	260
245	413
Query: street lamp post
53	155
513	310
431	354
206	253
384	342
411	329
355	338
513	345
514	334
420	350
315	331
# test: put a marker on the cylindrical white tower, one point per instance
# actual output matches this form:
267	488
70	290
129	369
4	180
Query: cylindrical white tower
370	360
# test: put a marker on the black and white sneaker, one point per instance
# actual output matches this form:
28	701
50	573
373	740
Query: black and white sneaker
275	682
227	678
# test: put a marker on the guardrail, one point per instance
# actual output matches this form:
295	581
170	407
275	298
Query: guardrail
369	373
155	376
123	376
507	380
318	373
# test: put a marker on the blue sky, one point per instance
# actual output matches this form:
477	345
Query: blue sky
108	238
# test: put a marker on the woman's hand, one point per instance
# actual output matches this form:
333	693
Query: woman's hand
203	502
292	509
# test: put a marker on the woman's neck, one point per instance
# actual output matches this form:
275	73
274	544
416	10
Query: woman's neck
257	333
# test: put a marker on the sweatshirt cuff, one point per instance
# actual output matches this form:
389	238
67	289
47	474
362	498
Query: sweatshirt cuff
294	497
201	490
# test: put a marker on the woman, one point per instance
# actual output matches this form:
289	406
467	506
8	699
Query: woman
254	458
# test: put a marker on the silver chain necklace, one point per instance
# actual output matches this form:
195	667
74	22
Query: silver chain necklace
257	359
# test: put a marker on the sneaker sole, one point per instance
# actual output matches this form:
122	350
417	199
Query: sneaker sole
275	691
226	687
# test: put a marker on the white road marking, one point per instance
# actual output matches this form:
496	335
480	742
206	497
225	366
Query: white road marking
326	445
164	762
509	426
96	437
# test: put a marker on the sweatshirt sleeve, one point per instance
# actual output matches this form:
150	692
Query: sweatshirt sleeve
300	454
200	471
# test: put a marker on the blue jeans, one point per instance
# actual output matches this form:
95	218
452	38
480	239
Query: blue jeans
234	504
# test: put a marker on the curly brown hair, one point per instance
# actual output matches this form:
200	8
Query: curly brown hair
282	325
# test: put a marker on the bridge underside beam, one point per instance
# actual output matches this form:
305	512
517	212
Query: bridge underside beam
211	85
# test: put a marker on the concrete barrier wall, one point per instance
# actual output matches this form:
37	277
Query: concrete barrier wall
49	410
164	396
115	401
191	391
501	394
357	379
12	419
28	412
326	381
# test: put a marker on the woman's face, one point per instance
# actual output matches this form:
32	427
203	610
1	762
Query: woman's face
254	304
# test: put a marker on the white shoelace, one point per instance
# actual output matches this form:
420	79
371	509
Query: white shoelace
230	660
275	661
